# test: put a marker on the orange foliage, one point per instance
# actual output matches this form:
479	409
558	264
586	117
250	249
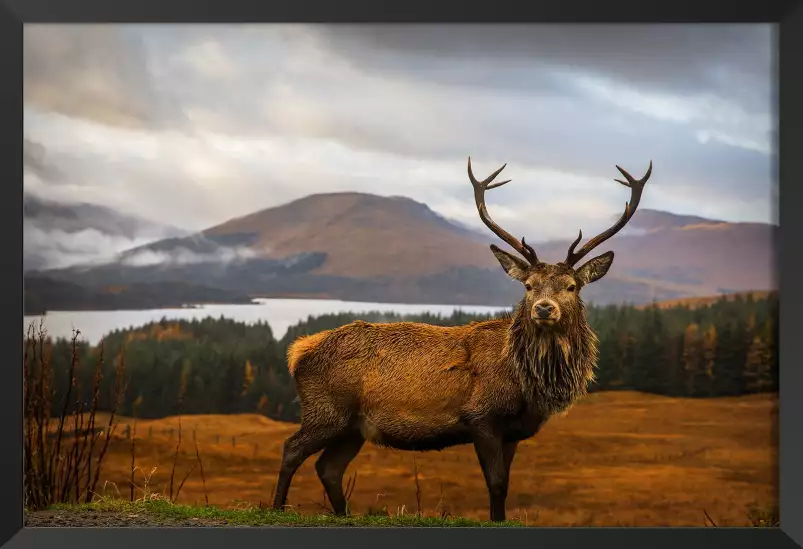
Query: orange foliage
158	332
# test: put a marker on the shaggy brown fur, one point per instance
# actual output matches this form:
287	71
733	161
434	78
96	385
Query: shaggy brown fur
420	387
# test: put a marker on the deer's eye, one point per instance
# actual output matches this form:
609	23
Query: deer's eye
528	287
571	288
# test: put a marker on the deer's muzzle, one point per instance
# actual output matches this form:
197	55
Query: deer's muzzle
545	311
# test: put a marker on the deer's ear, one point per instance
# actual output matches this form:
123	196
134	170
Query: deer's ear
595	268
514	267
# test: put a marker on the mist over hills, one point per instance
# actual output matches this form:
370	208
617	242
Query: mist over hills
362	247
58	234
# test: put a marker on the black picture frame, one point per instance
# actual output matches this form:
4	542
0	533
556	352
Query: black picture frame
787	14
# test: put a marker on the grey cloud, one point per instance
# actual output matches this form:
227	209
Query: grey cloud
587	144
433	94
519	109
77	216
734	60
34	159
97	72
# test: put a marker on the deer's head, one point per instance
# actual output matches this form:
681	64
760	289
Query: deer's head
552	291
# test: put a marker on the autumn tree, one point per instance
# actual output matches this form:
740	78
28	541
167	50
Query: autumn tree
708	362
758	366
692	358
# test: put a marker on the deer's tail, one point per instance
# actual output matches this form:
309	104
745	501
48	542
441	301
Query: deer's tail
300	348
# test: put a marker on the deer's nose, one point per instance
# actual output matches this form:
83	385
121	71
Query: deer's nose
544	309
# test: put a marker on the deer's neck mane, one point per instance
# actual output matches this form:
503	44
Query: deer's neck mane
554	366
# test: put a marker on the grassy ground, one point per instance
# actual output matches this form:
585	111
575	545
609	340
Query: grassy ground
162	513
616	459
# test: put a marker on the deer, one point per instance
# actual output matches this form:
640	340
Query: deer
419	387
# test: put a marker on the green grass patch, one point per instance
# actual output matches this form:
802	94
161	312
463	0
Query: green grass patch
764	517
268	517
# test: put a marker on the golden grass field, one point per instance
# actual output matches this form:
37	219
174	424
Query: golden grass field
616	459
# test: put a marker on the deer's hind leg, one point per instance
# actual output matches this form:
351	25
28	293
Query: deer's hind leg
332	464
311	438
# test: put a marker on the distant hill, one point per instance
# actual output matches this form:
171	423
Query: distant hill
696	302
652	220
72	218
363	235
54	232
43	294
700	259
362	247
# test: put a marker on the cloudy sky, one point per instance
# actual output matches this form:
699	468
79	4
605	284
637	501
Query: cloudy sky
193	125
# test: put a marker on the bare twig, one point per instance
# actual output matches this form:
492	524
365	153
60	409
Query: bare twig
59	433
417	488
133	453
440	499
321	505
203	478
350	484
120	390
175	459
180	486
58	460
91	427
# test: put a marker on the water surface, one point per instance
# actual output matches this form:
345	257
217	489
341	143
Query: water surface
280	314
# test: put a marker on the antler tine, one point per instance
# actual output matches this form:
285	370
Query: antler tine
530	250
479	198
636	188
632	180
575	243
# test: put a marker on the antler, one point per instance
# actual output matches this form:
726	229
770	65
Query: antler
479	197
636	187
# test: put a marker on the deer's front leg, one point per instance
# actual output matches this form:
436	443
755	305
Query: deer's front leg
495	457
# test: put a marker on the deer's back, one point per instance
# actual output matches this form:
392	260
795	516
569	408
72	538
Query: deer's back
393	351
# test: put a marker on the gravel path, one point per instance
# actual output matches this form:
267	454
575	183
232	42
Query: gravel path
105	519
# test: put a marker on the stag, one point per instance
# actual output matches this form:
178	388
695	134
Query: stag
419	387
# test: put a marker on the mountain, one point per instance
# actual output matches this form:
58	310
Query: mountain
362	247
56	234
652	220
702	258
76	217
363	235
43	294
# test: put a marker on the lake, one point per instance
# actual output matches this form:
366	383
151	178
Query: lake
280	314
